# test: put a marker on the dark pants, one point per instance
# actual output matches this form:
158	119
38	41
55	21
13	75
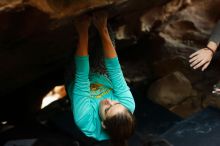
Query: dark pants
64	122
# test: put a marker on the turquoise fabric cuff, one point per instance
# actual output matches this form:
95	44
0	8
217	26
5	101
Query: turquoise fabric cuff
112	62
81	57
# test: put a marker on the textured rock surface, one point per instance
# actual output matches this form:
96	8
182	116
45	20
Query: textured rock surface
59	9
170	90
155	35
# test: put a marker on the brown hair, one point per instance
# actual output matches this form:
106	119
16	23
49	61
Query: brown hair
120	127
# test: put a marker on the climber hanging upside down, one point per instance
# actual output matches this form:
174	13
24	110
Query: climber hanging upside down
102	104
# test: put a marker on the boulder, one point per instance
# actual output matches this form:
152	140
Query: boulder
170	90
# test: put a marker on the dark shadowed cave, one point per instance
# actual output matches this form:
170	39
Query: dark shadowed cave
153	39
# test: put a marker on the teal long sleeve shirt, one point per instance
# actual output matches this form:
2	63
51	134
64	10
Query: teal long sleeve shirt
88	89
